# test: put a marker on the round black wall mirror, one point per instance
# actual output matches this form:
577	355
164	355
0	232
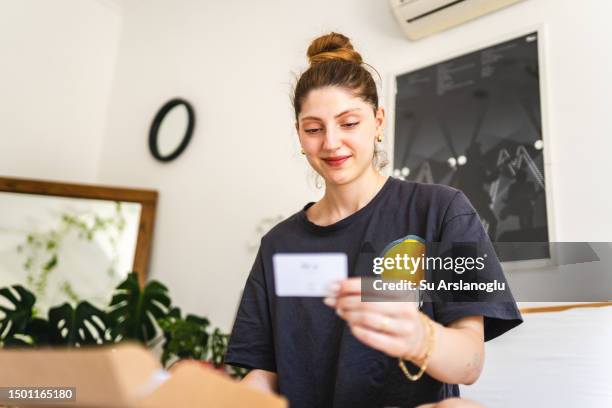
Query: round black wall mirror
171	130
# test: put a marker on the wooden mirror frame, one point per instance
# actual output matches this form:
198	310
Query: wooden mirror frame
146	198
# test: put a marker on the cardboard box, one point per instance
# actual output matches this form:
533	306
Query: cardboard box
125	375
193	386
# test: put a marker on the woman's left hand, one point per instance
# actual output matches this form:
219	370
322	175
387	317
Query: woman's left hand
395	328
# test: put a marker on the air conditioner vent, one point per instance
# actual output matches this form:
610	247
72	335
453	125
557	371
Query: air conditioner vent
420	18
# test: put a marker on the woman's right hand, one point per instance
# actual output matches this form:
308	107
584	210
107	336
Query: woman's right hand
262	380
453	403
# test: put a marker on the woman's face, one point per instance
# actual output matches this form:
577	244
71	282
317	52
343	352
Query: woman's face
337	132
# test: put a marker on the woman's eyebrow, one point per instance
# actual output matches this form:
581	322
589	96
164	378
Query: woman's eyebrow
335	117
346	111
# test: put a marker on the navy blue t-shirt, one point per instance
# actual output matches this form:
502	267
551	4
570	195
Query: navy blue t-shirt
318	361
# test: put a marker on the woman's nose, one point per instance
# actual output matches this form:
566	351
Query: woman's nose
332	139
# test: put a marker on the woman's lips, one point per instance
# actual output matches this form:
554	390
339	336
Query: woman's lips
336	161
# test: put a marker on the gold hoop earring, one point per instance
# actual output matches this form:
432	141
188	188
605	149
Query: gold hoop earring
302	151
379	138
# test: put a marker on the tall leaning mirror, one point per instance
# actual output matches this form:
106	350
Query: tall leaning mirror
72	242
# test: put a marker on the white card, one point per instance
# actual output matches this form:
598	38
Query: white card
308	274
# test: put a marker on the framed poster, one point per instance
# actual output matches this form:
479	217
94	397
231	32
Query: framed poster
474	122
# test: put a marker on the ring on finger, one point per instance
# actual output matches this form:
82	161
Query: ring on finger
386	324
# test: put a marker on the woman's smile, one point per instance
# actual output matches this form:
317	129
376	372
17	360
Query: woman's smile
336	161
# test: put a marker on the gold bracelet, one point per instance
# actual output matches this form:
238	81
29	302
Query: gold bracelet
428	350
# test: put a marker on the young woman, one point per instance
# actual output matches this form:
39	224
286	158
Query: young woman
342	351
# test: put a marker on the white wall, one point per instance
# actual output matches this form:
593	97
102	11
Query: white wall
233	60
533	368
56	67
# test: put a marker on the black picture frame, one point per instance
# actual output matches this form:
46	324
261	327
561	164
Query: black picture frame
474	121
159	117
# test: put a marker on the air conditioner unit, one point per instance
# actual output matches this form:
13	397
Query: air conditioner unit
420	18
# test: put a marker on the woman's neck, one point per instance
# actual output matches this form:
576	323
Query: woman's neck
340	201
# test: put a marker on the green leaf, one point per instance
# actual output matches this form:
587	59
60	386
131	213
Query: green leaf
174	312
16	341
38	330
218	347
135	311
184	338
51	263
83	325
238	372
16	318
35	334
200	321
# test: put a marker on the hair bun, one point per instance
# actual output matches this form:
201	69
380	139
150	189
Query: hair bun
332	46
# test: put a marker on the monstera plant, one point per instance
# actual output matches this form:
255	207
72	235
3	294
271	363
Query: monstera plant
67	326
16	325
138	314
136	310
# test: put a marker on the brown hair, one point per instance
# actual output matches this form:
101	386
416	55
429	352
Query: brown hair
334	62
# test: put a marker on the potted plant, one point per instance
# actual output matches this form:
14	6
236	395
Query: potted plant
139	314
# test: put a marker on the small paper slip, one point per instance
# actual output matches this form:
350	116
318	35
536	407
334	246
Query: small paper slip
308	274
